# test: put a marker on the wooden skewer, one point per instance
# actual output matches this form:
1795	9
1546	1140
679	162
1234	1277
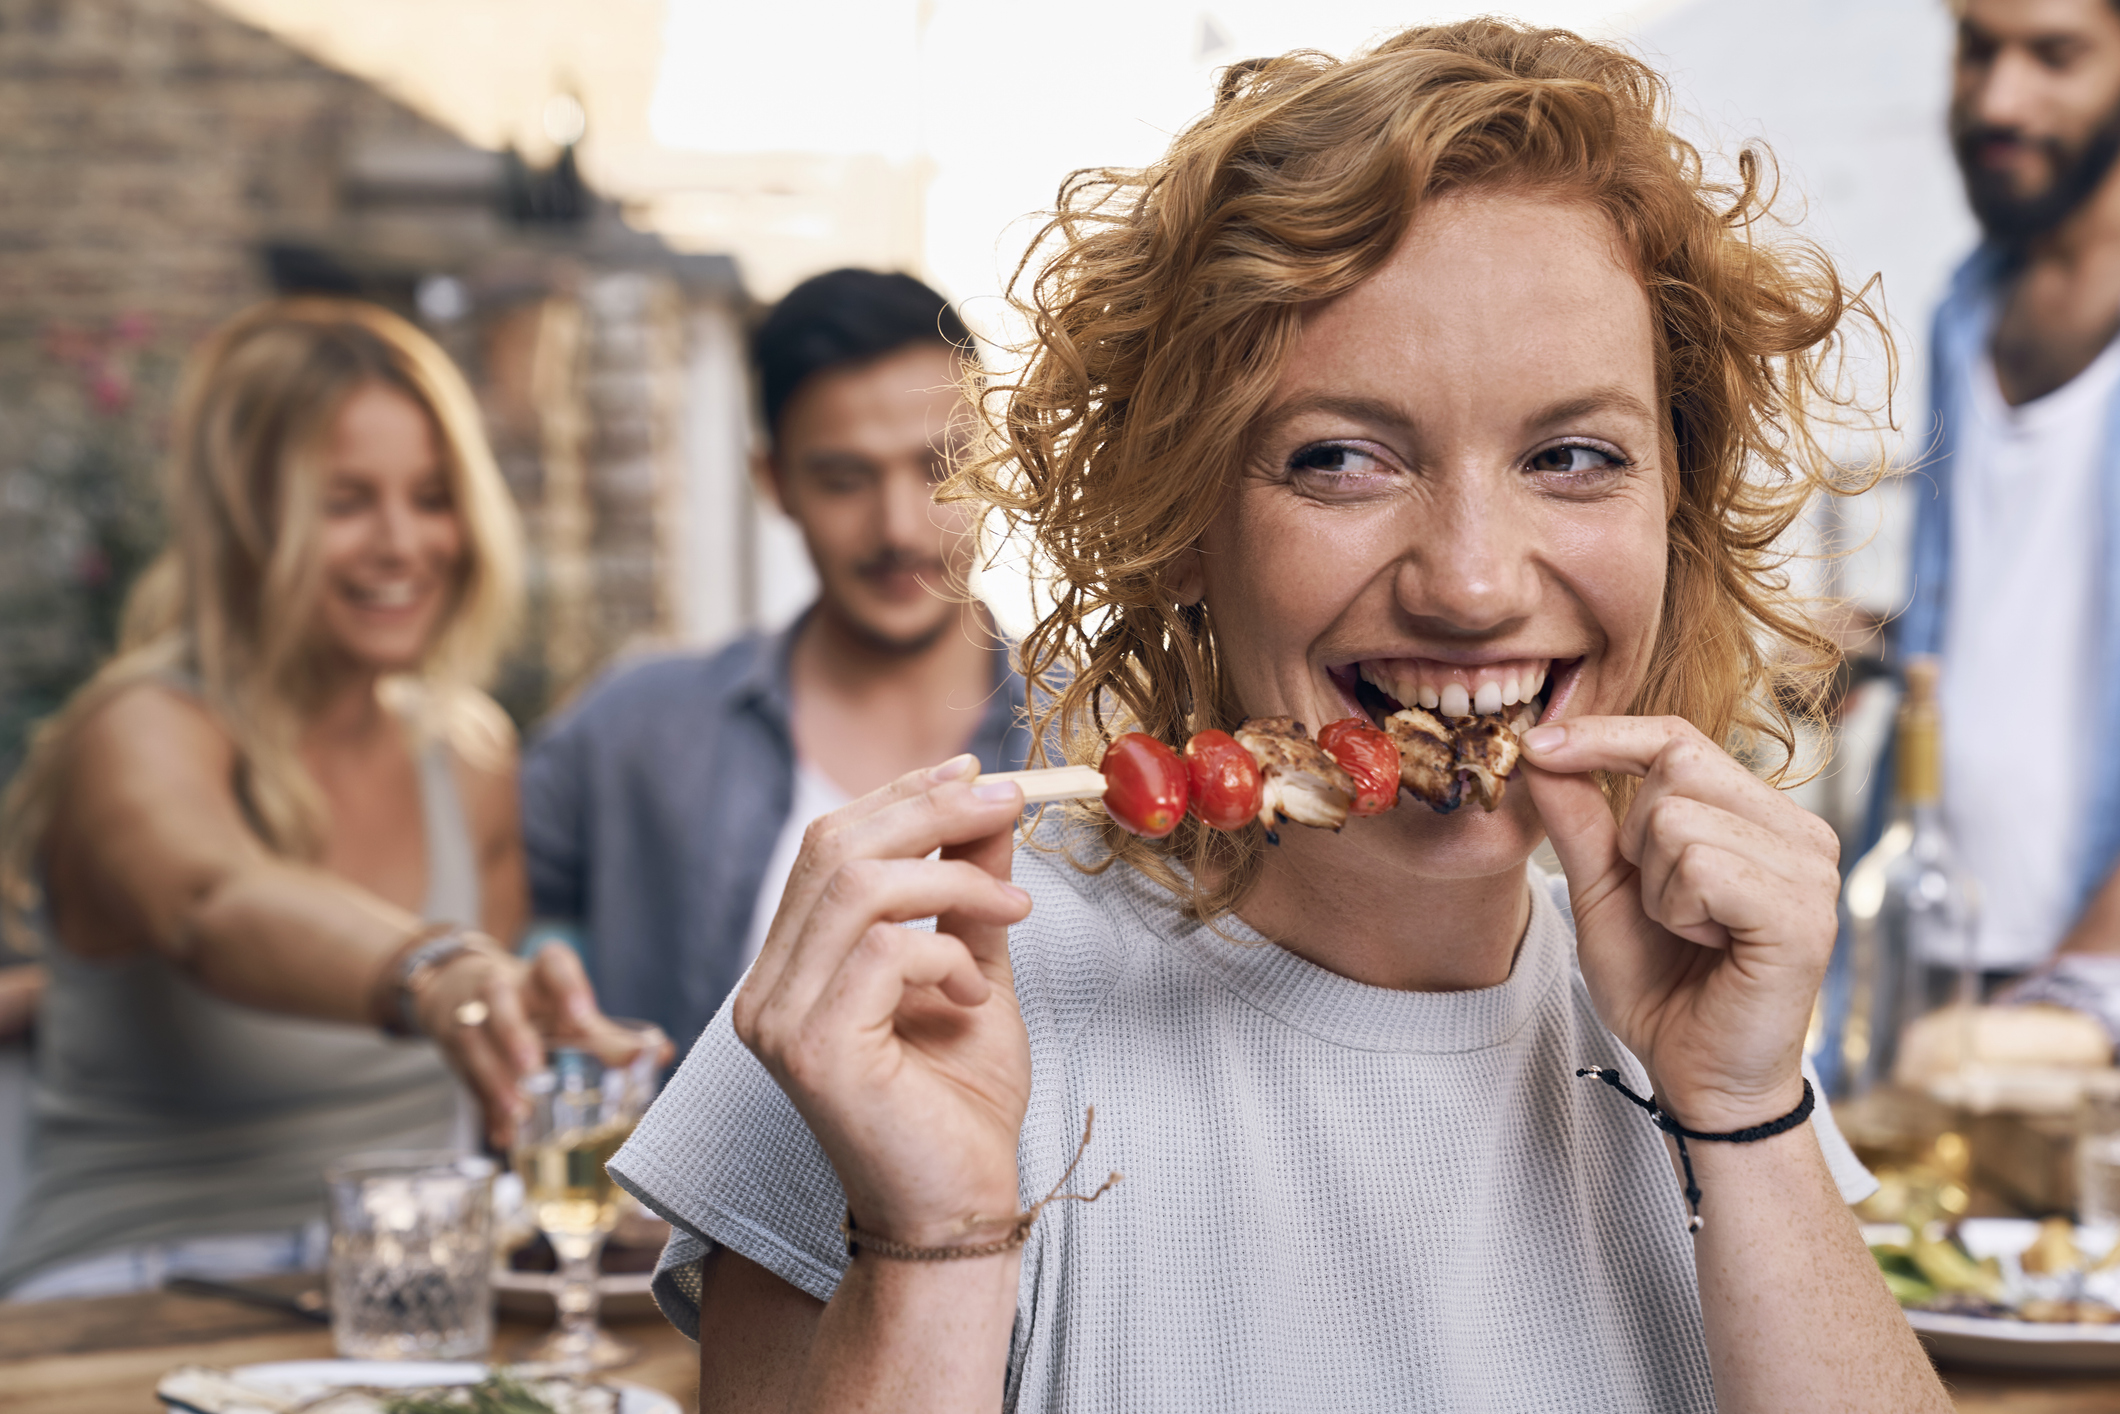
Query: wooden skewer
1053	783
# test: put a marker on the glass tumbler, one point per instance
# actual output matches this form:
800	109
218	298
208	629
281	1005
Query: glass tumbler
411	1256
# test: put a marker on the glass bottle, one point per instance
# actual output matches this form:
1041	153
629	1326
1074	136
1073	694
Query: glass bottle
1908	905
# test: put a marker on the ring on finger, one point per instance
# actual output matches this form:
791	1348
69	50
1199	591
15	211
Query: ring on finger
472	1013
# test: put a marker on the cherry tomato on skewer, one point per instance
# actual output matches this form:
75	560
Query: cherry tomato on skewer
1369	756
1145	786
1226	786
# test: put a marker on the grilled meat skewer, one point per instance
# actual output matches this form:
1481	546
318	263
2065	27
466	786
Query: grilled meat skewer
1302	783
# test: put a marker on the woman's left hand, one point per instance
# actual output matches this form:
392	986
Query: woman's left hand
1704	920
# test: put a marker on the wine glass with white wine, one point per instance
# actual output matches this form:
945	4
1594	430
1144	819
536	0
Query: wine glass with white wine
581	1112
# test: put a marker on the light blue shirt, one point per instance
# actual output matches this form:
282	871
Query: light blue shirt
1963	324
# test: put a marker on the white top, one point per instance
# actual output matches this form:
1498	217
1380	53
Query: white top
815	795
1336	1197
2020	653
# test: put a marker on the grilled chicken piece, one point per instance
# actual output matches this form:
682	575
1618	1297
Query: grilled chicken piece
1487	751
1427	758
1439	760
1302	783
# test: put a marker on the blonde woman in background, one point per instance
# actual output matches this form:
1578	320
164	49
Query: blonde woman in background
273	841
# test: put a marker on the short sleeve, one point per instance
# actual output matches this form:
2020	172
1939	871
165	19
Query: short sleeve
1855	1182
725	1159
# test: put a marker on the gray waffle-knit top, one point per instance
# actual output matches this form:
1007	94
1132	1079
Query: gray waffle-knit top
1336	1197
160	1111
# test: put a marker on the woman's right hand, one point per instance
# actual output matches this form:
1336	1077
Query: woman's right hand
903	1050
494	1015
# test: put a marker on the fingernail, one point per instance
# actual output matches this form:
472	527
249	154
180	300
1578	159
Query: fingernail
1020	895
996	792
953	768
1545	738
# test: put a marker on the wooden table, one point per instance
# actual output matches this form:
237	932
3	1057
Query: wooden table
104	1356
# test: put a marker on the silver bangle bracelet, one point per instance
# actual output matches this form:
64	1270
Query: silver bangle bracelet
413	969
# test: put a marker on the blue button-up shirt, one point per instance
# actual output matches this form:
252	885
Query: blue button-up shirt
650	811
1964	323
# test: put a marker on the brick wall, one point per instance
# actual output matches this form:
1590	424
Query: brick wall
151	153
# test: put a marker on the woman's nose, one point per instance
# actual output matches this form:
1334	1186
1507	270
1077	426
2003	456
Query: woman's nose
396	530
1472	568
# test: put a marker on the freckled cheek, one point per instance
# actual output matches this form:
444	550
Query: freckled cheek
1274	585
1619	580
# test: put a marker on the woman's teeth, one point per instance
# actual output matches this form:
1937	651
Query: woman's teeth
385	596
1457	691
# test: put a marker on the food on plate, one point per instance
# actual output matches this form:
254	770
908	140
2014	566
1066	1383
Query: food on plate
1145	785
499	1393
2031	1059
1370	759
2054	1250
1227	790
200	1389
2051	1280
1302	783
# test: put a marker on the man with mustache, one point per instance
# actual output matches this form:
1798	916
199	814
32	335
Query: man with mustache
662	812
2016	560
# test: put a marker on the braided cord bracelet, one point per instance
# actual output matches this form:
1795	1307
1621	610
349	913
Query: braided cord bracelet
1019	1229
1663	1120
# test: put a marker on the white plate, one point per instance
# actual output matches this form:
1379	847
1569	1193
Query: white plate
306	1379
2004	1344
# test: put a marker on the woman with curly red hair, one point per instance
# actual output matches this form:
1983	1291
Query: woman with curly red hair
1441	370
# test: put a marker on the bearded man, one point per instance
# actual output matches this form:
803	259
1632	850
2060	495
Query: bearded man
663	811
2016	561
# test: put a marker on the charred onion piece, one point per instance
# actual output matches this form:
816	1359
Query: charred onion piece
1442	762
1427	758
1487	753
1302	783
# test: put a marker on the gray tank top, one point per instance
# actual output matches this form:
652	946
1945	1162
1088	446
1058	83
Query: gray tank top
162	1111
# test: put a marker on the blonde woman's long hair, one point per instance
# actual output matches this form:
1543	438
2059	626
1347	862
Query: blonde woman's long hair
230	603
1163	303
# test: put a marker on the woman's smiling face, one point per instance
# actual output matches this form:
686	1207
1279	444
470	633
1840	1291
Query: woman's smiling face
1458	487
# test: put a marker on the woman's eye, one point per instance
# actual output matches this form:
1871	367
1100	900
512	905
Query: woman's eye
1578	460
1338	466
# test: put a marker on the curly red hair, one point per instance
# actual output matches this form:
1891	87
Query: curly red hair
1163	303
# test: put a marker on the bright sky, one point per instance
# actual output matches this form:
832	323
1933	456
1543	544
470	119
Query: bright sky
1003	97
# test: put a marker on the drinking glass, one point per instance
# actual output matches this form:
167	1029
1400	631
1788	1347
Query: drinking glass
411	1255
581	1111
2098	1153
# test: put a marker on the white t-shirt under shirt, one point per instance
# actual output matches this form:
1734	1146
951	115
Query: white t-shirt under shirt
1336	1196
2021	670
815	795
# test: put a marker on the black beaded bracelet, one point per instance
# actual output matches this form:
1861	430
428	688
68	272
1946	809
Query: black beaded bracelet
1663	1120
